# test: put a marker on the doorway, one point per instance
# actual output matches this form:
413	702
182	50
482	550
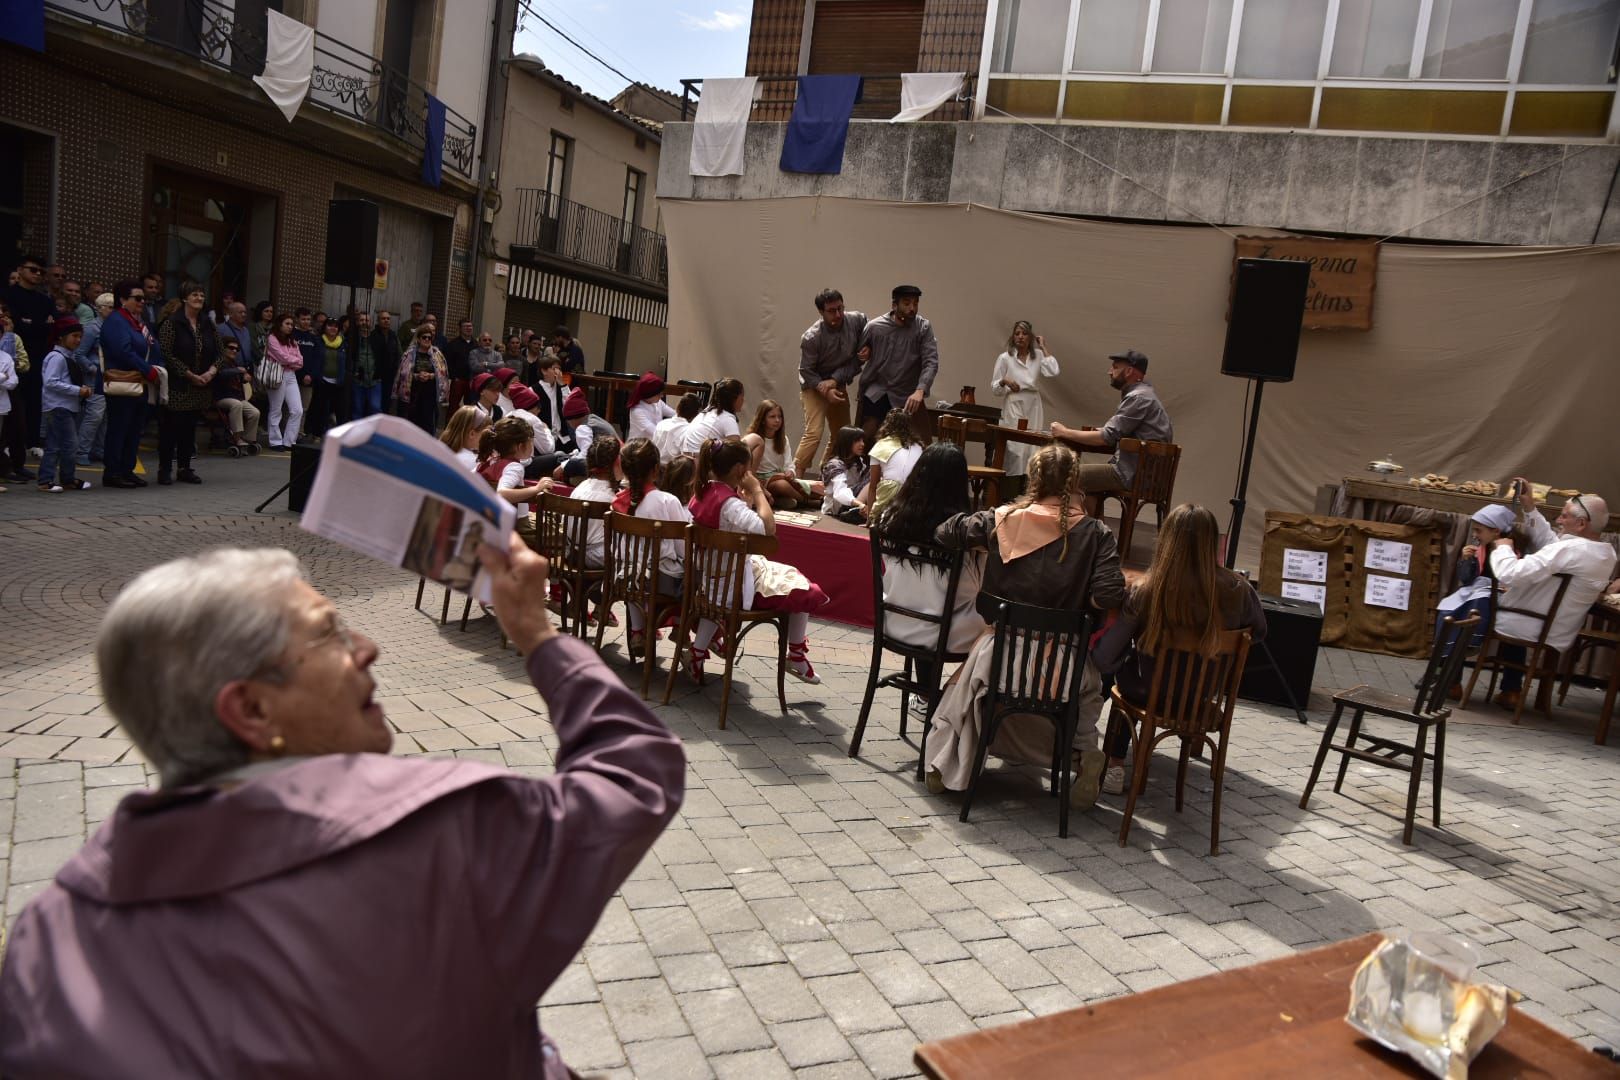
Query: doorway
203	230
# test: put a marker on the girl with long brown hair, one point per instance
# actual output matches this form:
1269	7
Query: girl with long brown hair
1042	550
1186	596
643	498
766	439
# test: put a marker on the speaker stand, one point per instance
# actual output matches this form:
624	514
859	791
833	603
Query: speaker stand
1282	681
1241	498
276	494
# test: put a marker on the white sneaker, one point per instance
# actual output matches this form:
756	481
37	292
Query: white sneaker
1114	780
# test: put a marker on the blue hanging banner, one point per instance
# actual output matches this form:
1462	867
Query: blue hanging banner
433	143
22	22
820	123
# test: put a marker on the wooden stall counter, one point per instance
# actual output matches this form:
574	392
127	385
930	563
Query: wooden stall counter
1281	1018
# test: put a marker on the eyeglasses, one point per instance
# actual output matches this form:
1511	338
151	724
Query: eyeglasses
1581	506
136	296
32	269
337	630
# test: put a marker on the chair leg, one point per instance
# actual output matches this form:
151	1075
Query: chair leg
601	629
1321	754
1127	526
1416	783
1607	712
1144	753
421	583
680	641
1064	736
1479	665
1532	665
866	701
985	735
466	609
1217	776
444	607
649	647
781	661
1439	766
725	682
905	696
1349	744
1181	770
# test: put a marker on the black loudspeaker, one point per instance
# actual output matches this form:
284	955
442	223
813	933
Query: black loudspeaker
1268	308
306	462
1293	631
351	243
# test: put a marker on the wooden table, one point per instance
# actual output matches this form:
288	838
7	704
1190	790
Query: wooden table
1282	1018
1366	486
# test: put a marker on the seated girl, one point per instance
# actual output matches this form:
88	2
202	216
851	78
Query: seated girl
1185	592
767	441
718	420
461	434
600	485
642	498
1042	550
892	458
1475	579
731	498
936	490
504	449
843	476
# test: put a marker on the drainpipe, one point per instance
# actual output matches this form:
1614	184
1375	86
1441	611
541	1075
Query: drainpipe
489	158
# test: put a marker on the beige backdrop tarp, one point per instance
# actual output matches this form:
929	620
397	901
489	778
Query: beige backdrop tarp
1483	361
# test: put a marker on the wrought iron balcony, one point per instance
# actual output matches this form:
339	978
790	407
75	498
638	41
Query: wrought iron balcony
564	228
345	80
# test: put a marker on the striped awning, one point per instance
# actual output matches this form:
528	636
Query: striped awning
549	288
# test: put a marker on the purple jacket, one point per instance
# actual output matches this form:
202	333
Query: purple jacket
347	915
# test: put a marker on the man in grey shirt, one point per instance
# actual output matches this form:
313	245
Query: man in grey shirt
900	358
1140	415
827	365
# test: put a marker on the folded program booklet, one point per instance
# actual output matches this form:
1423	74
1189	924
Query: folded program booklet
389	490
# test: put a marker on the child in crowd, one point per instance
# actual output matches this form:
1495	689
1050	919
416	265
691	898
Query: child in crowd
719	420
731	498
585	427
642	498
8	383
844	475
502	449
647	406
669	433
767	441
679	477
461	434
893	456
61	398
601	485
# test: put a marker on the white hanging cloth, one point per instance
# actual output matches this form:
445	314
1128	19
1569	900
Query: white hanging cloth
289	60
721	126
921	92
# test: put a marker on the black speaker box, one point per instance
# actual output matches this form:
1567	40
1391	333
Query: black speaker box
1293	633
1268	308
351	243
306	462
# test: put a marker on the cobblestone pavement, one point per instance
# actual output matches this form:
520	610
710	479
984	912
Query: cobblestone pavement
815	914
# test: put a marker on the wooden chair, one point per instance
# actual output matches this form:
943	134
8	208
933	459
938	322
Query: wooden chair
444	608
1039	655
1427	710
713	590
1153	485
984	481
1540	658
924	664
562	532
1191	696
1591	639
630	574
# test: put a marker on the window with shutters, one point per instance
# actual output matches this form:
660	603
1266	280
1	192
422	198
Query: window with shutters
877	38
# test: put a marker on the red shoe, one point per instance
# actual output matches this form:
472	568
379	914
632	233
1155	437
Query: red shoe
798	662
720	643
694	663
607	616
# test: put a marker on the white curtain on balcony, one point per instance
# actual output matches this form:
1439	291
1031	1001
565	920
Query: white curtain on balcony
289	60
921	92
721	126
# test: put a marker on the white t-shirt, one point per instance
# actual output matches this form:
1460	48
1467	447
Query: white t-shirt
594	490
922	588
737	516
710	424
544	441
667	437
512	477
772	460
468	458
645	417
662	506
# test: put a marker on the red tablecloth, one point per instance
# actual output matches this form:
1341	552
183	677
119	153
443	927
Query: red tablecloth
841	563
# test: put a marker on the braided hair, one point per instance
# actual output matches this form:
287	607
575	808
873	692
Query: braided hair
1054	471
639	460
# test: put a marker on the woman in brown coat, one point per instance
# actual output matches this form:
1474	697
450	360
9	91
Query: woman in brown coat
191	354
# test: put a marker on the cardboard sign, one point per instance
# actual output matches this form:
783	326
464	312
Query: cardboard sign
1343	274
1302	565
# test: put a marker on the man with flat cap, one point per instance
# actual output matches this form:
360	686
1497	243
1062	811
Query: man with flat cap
1140	415
901	359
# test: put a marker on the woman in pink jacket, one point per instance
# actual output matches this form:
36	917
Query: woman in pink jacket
295	902
281	349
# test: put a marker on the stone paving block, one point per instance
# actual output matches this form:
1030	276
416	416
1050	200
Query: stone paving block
681	1059
813	958
974	988
723	1021
747	948
573	987
778	993
854	1003
671	931
789	919
613	963
862	936
47	810
584	1035
804	1043
38	860
643	1009
900	978
695	971
752	1065
887	1053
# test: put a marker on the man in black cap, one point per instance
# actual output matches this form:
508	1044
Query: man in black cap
900	358
1140	415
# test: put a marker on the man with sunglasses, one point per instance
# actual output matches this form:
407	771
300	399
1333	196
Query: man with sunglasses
32	313
1576	548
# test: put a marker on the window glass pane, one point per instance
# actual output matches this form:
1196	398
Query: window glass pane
1281	39
1192	36
1469	39
1111	35
1374	39
1030	35
1570	41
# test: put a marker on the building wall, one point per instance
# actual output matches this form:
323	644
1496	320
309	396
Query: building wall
463	69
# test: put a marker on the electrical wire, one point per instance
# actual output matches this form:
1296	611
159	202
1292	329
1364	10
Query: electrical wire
526	6
607	50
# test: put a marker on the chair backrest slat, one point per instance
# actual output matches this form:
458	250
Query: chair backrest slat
1193	694
917	555
1038	656
1446	657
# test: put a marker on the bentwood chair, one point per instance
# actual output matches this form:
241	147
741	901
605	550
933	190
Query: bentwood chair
1427	710
444	607
1038	658
1153	485
713	589
1540	659
924	664
1191	696
562	531
1594	638
630	574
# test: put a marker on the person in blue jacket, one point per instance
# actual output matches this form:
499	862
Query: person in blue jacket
127	345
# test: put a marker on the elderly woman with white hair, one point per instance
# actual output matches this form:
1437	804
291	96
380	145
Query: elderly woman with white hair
293	900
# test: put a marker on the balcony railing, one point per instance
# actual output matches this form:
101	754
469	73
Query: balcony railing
345	80
561	227
879	98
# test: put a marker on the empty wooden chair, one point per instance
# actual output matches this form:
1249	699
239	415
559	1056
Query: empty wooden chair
1153	485
1191	697
630	574
1540	659
1426	710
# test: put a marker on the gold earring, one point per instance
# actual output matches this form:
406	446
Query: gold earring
277	744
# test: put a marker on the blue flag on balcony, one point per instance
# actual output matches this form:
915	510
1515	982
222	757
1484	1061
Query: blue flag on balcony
820	123
433	143
22	22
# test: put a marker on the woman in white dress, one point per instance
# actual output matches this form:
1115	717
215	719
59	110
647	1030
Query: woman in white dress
1016	378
